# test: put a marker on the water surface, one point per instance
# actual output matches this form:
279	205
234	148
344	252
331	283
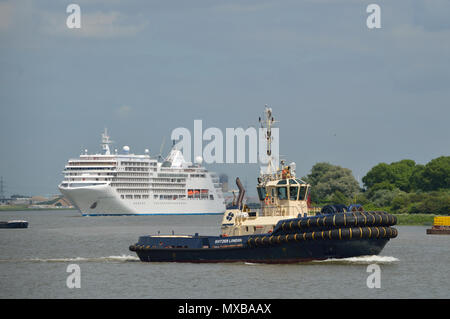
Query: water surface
33	263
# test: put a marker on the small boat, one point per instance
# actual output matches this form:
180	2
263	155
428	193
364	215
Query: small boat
441	226
14	224
285	230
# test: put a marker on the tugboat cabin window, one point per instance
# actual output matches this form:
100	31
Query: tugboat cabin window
293	190
302	193
307	193
282	193
261	193
282	182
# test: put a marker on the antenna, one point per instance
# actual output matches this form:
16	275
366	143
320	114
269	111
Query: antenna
161	148
106	142
267	124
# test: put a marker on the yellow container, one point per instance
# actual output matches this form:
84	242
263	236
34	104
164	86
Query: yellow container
441	221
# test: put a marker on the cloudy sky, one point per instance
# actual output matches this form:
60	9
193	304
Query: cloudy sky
343	93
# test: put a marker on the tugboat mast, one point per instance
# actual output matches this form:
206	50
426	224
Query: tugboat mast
267	124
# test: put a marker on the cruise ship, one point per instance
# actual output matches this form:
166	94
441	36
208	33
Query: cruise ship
128	184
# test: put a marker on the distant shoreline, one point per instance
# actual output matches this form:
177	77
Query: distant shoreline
13	208
415	219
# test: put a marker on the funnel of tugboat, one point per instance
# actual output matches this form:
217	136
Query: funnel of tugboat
241	193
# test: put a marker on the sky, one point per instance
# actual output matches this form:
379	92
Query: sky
342	93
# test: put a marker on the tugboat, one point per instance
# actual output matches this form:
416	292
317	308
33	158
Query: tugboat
285	230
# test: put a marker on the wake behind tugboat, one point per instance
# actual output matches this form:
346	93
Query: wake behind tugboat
285	231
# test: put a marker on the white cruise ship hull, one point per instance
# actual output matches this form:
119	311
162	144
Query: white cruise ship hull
103	200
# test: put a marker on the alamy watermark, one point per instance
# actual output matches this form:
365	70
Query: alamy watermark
74	279
239	145
374	279
73	21
374	19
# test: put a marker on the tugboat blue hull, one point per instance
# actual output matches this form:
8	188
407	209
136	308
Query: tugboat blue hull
283	253
292	240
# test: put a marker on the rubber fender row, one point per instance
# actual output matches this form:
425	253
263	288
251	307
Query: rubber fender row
347	233
337	220
139	247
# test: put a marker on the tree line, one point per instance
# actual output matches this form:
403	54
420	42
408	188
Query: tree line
398	187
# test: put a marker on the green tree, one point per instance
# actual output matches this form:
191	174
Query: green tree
385	197
378	174
434	175
435	203
379	186
326	179
396	174
402	172
339	198
416	179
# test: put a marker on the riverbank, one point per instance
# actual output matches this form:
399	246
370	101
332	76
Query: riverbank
7	208
415	219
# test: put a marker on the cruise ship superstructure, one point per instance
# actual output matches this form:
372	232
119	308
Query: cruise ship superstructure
129	184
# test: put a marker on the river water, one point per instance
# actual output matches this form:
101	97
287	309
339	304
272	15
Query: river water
34	263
